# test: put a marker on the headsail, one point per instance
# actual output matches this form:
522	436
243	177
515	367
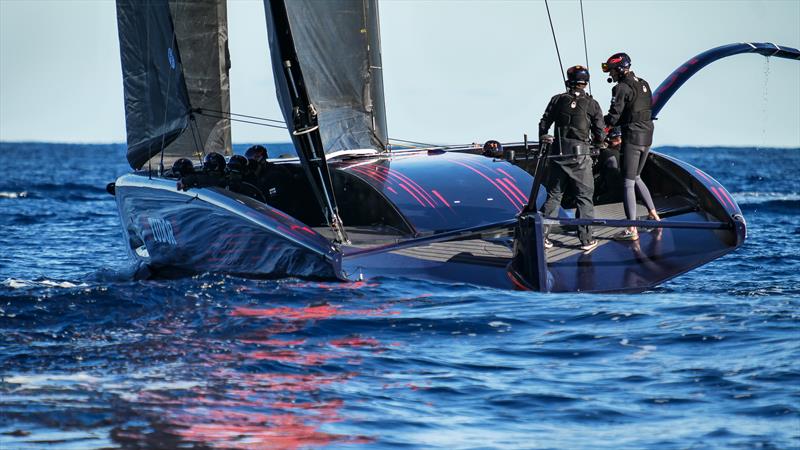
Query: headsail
174	61
337	44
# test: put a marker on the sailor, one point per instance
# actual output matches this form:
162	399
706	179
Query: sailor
213	174
493	149
271	179
631	105
236	175
256	162
577	116
609	188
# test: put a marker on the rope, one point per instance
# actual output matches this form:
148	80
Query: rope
200	152
201	110
555	41
222	116
412	142
585	48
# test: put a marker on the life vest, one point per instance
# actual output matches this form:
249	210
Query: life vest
640	107
571	117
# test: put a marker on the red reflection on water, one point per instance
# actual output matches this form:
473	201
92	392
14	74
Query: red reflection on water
248	430
292	357
306	313
242	408
355	342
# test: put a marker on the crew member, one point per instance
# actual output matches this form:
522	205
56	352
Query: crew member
493	149
213	174
631	106
577	116
610	185
271	179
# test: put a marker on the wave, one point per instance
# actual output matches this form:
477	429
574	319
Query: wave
22	194
15	283
773	201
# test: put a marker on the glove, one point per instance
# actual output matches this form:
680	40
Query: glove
546	139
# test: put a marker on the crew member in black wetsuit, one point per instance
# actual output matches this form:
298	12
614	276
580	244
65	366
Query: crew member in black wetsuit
631	106
577	116
610	186
271	179
213	174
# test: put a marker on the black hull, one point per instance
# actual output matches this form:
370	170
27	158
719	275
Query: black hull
427	237
216	230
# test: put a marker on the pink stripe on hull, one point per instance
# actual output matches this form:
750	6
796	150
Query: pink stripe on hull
513	203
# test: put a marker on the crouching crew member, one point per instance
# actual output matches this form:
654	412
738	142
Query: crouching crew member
610	187
213	173
577	116
631	109
271	179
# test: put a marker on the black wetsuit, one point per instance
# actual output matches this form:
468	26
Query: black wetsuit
203	179
577	116
271	179
631	109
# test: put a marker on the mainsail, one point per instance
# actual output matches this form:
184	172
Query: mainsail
337	46
175	65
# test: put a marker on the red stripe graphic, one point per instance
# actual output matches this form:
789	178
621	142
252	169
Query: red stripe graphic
412	194
413	184
513	203
439	196
510	191
517	189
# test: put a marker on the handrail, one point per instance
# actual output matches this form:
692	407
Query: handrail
509	223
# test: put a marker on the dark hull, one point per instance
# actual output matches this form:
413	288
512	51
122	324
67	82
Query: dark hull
426	216
215	230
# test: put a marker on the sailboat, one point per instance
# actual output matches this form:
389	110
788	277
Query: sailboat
357	207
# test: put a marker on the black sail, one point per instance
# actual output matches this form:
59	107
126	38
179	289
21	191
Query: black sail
175	74
338	48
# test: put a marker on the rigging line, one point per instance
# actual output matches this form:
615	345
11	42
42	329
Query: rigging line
555	41
201	110
412	142
585	48
283	127
174	44
199	151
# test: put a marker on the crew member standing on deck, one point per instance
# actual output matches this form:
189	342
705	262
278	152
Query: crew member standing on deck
631	106
576	116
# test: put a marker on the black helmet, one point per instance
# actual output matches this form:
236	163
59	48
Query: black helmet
577	75
617	61
493	148
237	164
214	162
182	167
615	132
256	152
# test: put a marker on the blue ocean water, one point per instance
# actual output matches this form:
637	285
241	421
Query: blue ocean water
92	359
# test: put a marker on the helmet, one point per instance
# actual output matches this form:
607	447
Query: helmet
182	167
617	61
615	132
214	162
256	152
237	163
577	75
493	148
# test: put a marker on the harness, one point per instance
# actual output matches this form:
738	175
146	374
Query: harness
640	109
572	126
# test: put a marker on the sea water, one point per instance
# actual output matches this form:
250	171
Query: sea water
91	358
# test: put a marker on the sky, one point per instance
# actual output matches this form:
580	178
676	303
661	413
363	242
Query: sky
455	71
